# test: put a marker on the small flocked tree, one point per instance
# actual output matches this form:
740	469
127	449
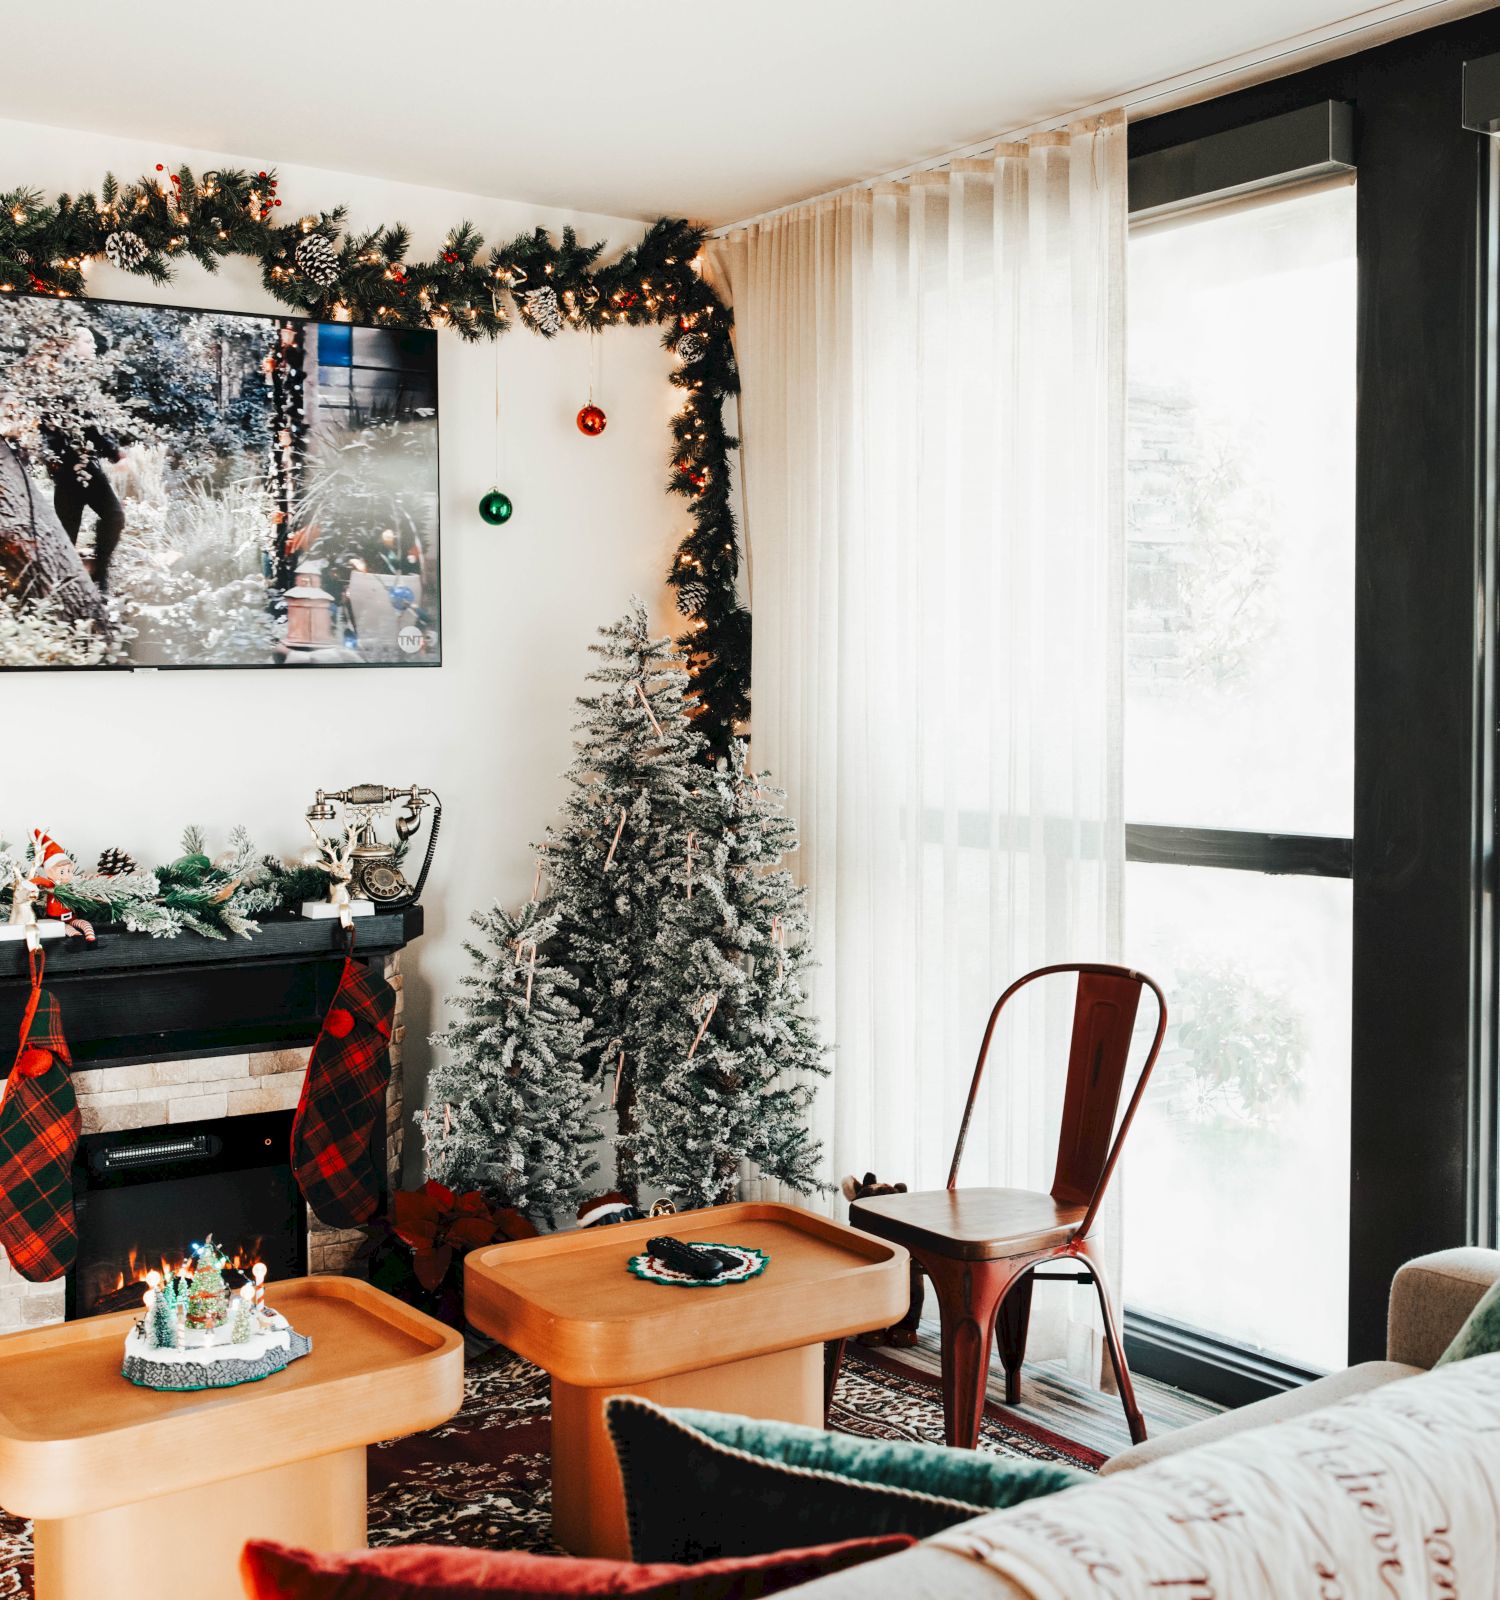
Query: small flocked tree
729	1077
163	1329
674	930
511	1107
640	787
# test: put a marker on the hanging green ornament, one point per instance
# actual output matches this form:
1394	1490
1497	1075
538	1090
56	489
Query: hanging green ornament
496	508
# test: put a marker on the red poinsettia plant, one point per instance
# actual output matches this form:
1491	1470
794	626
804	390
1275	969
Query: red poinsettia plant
436	1224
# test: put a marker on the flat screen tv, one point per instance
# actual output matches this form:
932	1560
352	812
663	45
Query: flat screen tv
208	489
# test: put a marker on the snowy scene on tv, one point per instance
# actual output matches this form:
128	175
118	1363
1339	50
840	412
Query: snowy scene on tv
203	489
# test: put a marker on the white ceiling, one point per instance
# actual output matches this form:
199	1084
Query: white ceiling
686	107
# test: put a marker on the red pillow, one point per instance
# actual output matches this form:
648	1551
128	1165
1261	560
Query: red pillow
431	1572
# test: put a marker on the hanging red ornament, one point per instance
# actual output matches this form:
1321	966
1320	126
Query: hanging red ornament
592	421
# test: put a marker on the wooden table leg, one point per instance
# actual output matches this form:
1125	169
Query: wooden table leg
190	1542
588	1500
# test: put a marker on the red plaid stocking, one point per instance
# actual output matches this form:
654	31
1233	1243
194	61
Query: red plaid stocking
39	1129
342	1096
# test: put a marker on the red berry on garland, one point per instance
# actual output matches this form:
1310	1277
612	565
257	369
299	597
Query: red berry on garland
591	421
176	179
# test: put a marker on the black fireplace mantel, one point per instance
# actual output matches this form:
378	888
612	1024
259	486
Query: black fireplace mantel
129	997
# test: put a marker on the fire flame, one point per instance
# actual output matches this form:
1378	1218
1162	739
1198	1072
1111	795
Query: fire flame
138	1265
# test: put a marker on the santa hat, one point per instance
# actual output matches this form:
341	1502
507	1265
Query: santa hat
609	1207
45	850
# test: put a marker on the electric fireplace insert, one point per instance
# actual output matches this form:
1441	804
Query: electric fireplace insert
145	1197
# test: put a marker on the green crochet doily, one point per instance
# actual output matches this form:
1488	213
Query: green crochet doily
648	1268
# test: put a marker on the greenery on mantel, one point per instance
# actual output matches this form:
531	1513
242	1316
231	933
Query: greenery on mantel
316	265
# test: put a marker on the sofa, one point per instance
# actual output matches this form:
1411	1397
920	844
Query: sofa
1252	1457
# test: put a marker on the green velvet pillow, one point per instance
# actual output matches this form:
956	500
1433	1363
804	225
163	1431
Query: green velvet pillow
700	1485
1480	1334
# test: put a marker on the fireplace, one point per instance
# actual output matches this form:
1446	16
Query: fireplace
183	1049
145	1196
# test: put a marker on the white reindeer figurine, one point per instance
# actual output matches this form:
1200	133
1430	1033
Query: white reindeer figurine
337	862
24	895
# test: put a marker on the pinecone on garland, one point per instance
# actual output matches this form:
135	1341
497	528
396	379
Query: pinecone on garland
689	348
125	250
114	863
691	598
542	309
316	260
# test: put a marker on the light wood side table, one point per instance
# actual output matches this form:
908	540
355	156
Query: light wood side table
123	1481
567	1302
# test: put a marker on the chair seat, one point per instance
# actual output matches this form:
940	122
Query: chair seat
969	1224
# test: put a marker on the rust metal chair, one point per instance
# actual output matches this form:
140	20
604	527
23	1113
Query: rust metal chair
982	1247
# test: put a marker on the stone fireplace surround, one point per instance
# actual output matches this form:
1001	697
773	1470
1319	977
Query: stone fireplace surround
151	1094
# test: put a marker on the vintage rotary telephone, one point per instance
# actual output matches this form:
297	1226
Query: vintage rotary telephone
375	872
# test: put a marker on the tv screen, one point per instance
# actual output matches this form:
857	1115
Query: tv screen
209	489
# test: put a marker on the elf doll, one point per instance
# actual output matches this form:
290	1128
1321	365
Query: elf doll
52	867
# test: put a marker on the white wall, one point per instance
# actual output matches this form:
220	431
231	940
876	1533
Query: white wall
126	759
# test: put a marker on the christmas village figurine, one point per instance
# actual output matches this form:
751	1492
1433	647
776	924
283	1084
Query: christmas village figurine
195	1332
34	885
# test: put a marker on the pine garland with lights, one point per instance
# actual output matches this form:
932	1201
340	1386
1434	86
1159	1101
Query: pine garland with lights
216	898
316	266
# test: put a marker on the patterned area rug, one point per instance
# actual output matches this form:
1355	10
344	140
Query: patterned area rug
483	1478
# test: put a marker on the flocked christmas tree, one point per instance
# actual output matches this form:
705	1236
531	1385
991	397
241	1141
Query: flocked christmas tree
515	1109
163	1326
730	1073
669	955
640	788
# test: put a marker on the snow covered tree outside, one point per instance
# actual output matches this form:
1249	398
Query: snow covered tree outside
640	787
729	1075
510	1109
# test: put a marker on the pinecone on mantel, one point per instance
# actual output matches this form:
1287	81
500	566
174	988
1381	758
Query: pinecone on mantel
114	863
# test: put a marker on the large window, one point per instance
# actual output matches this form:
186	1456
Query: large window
1239	741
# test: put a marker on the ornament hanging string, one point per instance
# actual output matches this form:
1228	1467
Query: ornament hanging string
708	1016
495	301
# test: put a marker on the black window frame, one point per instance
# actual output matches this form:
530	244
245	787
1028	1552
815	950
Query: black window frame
1421	1064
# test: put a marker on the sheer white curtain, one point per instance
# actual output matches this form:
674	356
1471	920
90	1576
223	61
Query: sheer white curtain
932	420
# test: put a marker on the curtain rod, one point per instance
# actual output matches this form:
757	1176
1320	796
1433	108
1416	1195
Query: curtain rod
1382	24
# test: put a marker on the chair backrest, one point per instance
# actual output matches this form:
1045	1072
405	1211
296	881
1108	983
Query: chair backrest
1104	1013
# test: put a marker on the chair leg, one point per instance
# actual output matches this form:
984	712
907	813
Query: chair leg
1011	1327
833	1361
1116	1345
969	1293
